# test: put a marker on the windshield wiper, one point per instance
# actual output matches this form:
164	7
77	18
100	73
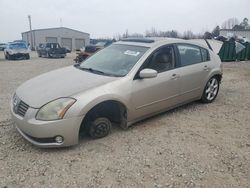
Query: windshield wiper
96	71
92	70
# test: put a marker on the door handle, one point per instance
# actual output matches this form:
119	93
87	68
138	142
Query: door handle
175	76
205	68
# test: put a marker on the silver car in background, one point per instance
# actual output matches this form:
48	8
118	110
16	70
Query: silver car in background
126	82
17	50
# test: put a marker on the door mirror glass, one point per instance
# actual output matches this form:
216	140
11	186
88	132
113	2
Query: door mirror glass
148	73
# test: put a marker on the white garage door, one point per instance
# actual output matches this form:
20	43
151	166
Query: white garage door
51	39
80	43
67	42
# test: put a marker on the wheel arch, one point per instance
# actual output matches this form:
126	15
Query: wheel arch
113	109
217	74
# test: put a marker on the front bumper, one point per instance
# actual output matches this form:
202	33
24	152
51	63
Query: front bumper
43	133
19	55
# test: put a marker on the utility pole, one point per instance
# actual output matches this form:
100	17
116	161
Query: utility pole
61	23
31	34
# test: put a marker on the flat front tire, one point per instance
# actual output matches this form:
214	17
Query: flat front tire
211	90
100	127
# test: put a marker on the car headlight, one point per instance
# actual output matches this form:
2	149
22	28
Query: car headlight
55	110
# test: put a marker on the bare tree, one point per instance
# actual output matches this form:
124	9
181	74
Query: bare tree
152	33
188	35
125	35
230	23
244	23
216	31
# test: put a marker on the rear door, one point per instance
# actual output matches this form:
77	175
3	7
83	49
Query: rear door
155	94
194	62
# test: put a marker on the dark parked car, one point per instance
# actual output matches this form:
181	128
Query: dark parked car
51	50
68	50
90	50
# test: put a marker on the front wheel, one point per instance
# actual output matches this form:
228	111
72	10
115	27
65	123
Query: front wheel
211	90
100	127
10	57
27	56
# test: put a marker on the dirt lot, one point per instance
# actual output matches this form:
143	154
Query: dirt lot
193	146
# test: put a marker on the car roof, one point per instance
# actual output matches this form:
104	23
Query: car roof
151	42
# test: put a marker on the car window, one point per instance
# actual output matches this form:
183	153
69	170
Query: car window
189	54
205	55
162	59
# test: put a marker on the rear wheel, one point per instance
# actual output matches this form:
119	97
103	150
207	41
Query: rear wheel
48	55
100	127
211	90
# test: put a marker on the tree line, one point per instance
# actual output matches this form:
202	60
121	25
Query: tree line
231	23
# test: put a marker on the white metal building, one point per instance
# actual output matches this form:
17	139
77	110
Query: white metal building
229	32
66	37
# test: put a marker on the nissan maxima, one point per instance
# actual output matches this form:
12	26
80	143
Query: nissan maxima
126	82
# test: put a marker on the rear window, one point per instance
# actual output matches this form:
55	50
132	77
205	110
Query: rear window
205	55
189	54
52	45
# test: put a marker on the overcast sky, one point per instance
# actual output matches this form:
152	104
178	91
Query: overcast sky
105	18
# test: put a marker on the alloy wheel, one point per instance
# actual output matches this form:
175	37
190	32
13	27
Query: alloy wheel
212	89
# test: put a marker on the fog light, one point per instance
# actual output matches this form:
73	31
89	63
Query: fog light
59	139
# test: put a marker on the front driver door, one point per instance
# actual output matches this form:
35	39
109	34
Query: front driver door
152	95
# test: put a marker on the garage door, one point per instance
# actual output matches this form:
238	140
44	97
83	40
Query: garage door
80	43
67	42
51	39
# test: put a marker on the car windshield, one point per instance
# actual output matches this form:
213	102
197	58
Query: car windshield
18	45
115	60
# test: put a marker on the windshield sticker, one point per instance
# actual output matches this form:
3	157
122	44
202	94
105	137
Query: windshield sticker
132	53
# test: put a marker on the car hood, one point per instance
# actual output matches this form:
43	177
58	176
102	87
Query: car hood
19	50
63	82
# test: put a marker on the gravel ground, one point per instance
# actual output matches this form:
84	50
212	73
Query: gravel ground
195	145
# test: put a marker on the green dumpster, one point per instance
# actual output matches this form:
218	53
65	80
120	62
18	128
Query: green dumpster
228	52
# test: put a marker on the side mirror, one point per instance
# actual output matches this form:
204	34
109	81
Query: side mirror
148	73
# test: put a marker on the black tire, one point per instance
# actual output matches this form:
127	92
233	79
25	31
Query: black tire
100	127
211	90
27	56
6	57
48	55
9	57
39	55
